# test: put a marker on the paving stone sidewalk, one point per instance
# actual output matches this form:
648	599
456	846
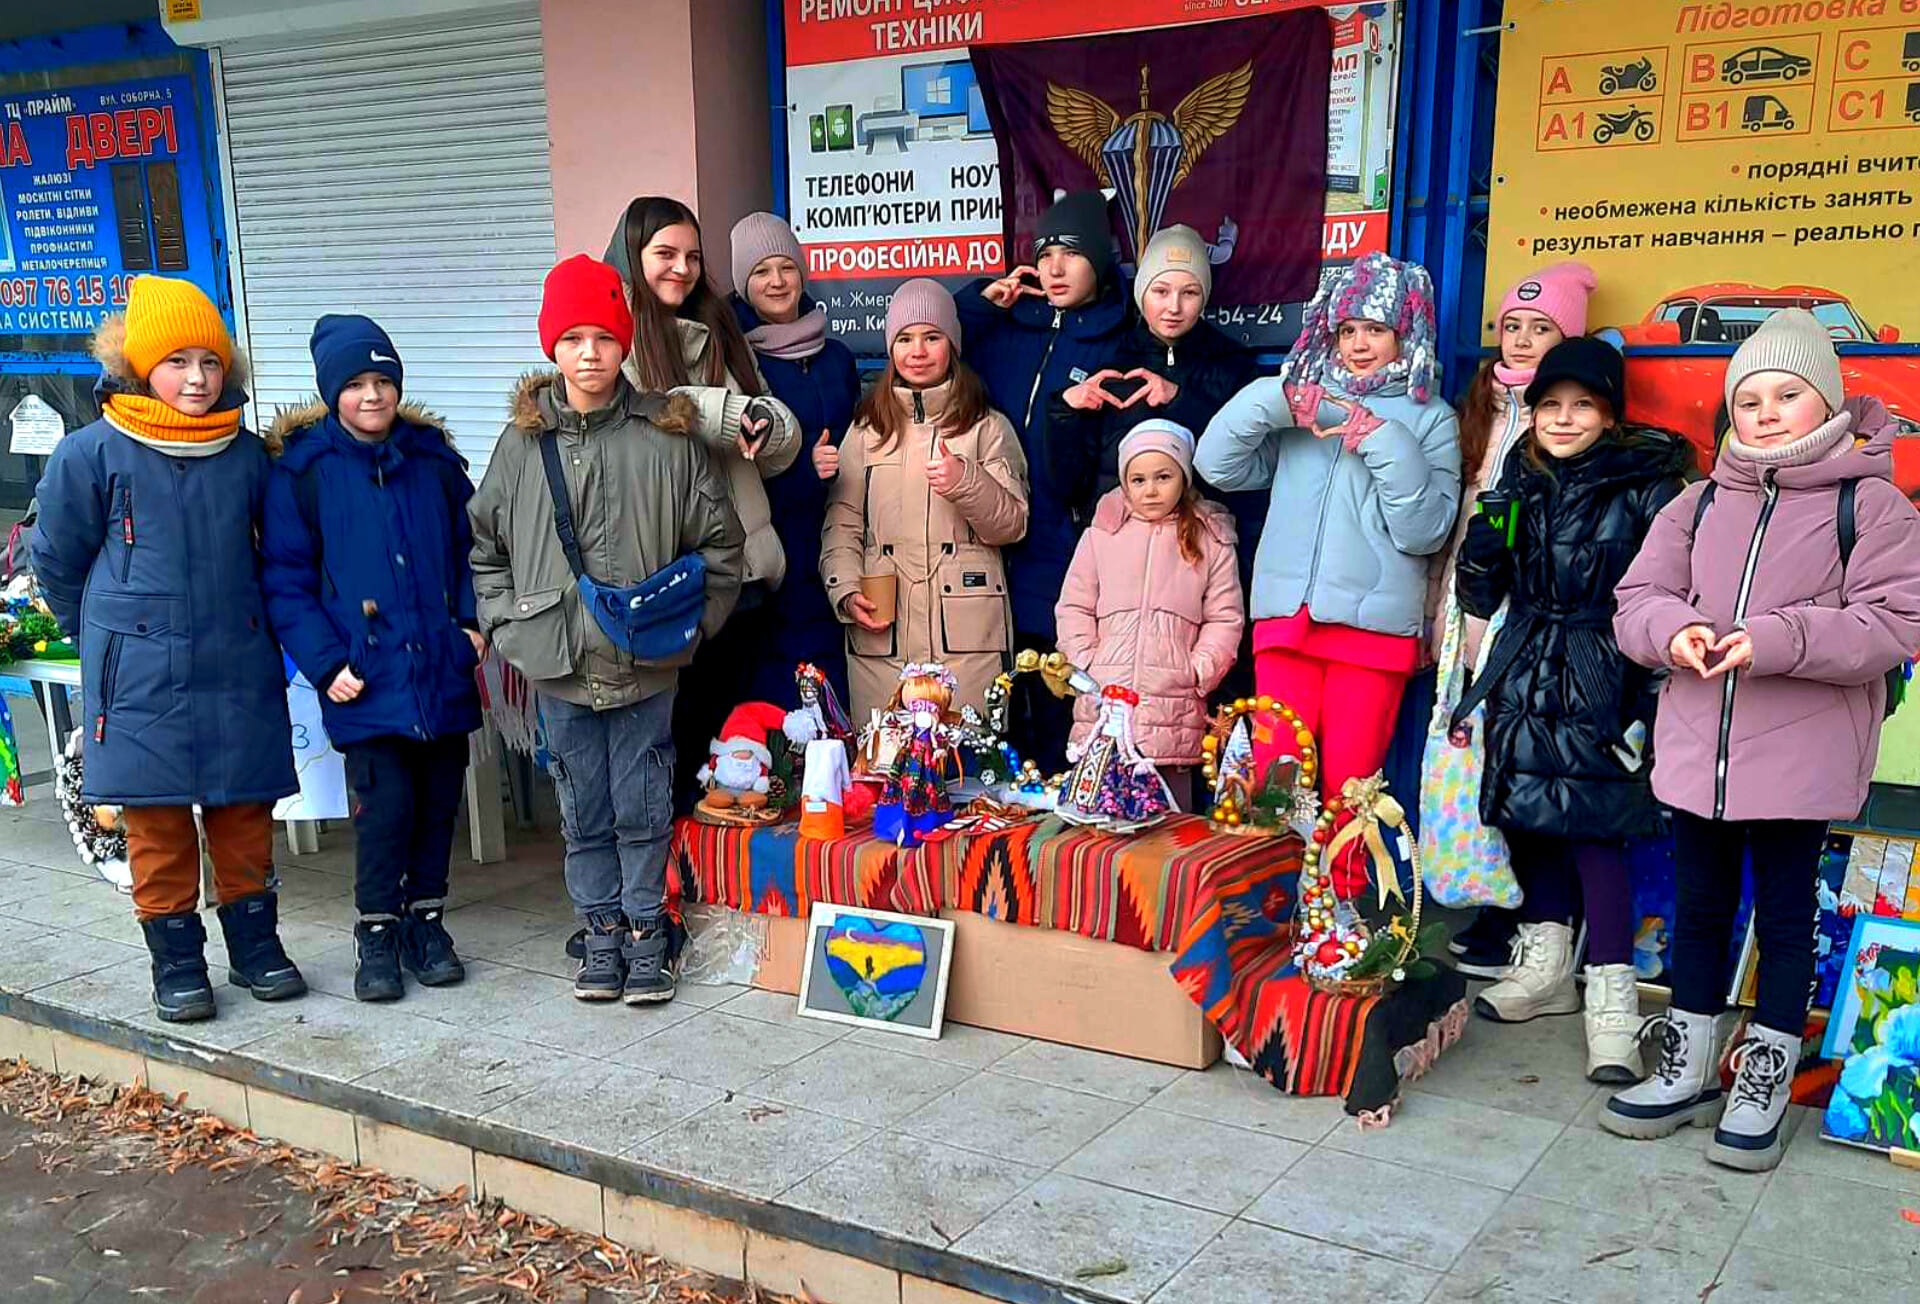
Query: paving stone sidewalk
1493	1184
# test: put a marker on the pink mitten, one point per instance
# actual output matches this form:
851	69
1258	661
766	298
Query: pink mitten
1303	399
1359	425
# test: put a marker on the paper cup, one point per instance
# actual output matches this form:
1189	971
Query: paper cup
883	591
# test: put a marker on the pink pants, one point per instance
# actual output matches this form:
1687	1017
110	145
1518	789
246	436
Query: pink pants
1350	709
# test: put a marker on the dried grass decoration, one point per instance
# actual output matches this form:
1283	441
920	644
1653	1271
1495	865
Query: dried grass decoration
1341	943
1247	802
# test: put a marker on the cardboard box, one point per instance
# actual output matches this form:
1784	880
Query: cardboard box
1038	982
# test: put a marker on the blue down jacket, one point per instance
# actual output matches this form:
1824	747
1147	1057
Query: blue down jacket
350	524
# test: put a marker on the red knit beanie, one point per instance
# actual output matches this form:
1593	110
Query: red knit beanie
583	291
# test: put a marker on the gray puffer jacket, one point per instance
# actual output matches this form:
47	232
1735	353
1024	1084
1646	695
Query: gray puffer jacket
1347	533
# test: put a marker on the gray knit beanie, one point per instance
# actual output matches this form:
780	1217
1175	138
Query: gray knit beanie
1791	340
923	302
1173	249
762	235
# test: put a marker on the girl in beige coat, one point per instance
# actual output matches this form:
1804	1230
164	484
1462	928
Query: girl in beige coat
929	485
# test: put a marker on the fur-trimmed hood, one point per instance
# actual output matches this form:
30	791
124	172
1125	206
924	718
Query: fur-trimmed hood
290	423
109	349
534	405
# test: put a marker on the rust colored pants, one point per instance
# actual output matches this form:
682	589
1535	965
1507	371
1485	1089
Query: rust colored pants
163	850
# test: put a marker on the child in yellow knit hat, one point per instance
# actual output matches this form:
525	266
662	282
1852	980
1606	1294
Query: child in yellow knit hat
146	553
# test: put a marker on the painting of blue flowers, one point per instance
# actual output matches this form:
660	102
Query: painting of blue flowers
1879	1087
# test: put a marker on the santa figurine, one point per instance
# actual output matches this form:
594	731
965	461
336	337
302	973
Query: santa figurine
740	763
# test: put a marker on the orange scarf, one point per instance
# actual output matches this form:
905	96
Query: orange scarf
152	422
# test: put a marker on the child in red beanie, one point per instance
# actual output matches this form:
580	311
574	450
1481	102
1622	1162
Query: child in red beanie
639	499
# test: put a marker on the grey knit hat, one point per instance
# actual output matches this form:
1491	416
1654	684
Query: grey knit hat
762	235
1173	249
923	302
1791	340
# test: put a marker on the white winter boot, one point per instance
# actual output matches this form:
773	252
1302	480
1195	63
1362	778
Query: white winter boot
1749	1133
1613	1024
1684	1086
1540	980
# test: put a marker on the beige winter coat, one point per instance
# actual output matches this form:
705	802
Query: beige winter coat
718	409
883	517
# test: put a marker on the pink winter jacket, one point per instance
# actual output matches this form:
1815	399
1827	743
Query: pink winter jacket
1133	611
1798	731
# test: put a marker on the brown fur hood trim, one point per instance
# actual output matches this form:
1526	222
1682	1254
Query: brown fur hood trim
673	413
290	421
110	351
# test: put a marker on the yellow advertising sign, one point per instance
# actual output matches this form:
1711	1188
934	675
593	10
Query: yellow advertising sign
1698	153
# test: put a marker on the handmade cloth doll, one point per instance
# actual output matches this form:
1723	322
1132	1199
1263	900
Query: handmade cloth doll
913	800
1111	784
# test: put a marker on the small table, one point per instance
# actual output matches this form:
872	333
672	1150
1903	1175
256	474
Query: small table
50	680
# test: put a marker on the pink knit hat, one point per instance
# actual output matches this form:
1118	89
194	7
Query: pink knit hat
1559	291
759	236
1159	436
923	302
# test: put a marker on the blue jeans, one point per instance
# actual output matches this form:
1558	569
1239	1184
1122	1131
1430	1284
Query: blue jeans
613	771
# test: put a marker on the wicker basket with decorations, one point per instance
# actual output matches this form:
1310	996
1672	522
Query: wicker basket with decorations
1345	942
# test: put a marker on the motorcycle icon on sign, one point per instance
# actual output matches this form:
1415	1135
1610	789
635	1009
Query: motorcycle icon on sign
1635	121
1635	76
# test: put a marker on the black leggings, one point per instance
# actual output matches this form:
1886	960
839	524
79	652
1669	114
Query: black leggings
1564	880
1707	857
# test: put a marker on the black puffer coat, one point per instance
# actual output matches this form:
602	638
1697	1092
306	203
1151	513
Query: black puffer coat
1559	694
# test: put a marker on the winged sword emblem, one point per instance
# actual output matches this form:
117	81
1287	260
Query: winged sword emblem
1144	156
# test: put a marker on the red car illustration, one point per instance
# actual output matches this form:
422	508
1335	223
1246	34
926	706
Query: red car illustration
1677	361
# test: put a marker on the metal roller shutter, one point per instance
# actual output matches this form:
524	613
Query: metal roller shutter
403	176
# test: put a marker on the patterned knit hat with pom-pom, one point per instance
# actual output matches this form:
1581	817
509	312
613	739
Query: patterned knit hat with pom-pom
1376	288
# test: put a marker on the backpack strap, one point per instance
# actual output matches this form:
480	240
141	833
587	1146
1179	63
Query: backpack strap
1844	523
1700	505
562	508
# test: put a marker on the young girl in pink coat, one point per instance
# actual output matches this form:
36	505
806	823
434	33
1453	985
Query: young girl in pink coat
1152	600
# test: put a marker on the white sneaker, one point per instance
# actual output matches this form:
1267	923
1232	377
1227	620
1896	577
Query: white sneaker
1749	1137
1684	1086
1540	980
1613	1024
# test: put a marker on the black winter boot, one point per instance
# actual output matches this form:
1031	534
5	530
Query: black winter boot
426	949
376	967
255	959
181	990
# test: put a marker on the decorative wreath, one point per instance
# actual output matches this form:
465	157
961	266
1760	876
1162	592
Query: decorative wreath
1247	802
99	832
1002	768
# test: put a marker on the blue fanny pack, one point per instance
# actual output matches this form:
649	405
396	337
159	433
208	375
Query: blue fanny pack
654	620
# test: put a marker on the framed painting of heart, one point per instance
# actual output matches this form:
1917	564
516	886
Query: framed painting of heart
877	969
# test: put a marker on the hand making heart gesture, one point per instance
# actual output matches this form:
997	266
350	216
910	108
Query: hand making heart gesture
1022	280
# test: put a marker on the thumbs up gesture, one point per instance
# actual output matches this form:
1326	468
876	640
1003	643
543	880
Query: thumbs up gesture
826	458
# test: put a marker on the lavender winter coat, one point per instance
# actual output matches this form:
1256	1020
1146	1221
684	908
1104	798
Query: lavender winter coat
1796	734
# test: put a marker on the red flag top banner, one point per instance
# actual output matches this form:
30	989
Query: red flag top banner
1224	130
828	31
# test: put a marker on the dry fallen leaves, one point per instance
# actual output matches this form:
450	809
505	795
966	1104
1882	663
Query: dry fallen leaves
476	1251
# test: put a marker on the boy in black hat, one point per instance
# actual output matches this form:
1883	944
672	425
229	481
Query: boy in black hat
370	592
1031	334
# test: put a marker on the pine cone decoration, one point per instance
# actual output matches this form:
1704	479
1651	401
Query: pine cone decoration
777	792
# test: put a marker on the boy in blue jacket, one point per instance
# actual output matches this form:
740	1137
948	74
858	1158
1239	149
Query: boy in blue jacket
146	554
370	592
1030	335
